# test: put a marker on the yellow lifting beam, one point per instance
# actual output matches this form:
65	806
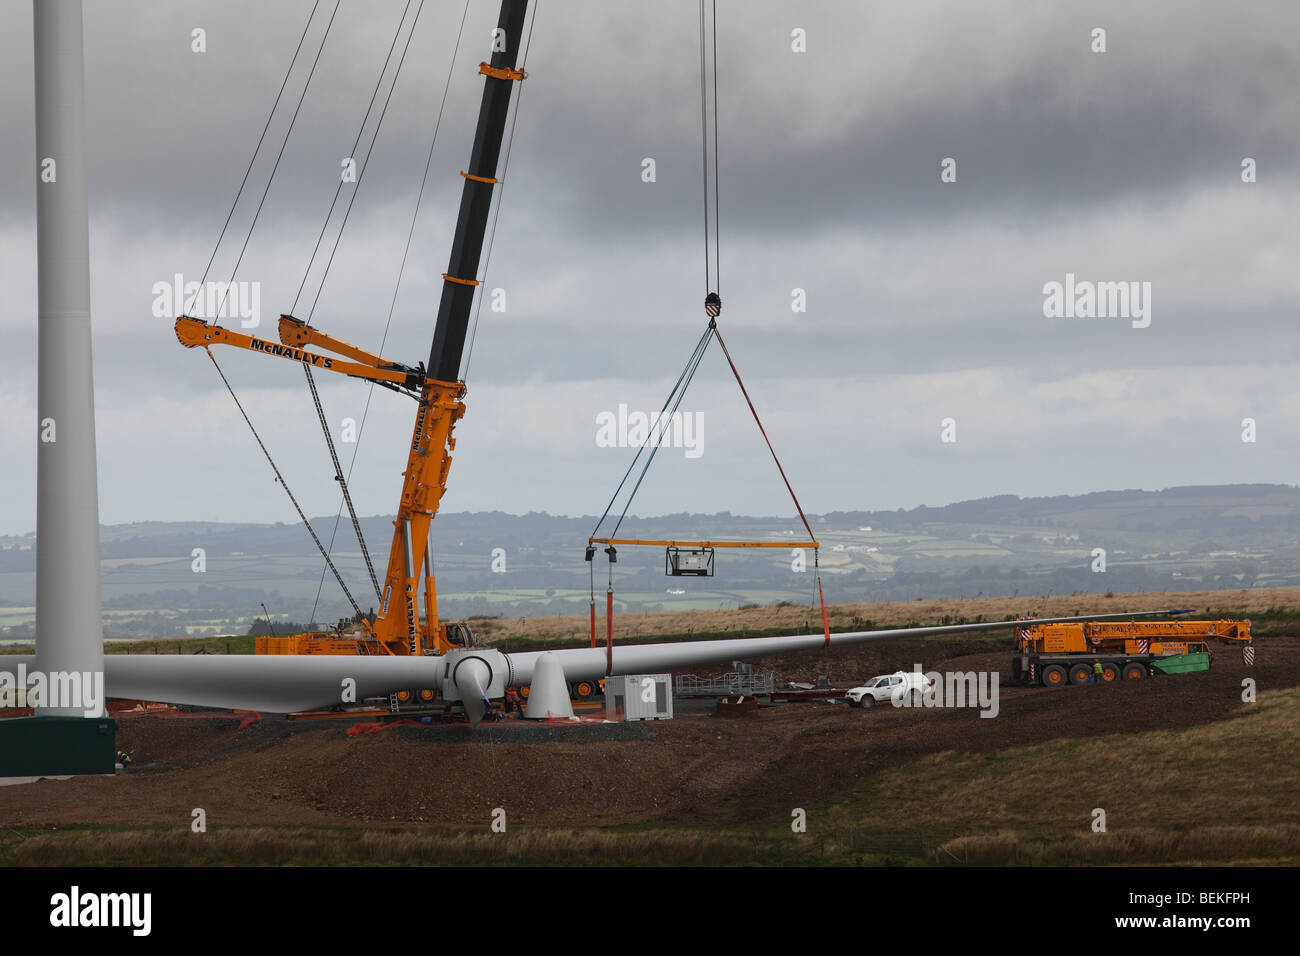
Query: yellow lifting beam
704	544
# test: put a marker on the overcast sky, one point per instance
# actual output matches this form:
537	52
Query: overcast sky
925	299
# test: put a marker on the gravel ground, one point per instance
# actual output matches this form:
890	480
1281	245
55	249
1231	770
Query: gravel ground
695	768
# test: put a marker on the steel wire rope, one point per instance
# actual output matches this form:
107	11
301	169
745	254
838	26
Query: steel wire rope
704	149
717	182
343	484
688	371
658	442
244	248
704	175
365	119
279	156
392	305
311	380
283	483
253	159
712	267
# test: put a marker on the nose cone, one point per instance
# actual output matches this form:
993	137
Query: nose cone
471	678
548	694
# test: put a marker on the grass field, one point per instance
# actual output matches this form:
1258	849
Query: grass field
1270	610
1212	794
1273	605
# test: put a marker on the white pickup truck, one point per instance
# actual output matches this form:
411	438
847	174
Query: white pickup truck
888	687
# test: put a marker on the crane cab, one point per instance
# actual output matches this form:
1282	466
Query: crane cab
458	635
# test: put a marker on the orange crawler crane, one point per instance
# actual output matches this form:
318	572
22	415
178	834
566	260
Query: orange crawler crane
1052	654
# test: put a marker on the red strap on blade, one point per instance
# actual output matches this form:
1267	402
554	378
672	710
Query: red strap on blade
609	633
593	623
825	624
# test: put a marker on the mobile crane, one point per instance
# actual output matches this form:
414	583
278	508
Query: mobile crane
400	626
1054	654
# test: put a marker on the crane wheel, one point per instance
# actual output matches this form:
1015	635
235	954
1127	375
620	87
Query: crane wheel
1053	675
405	696
1134	671
426	695
583	689
1080	673
1109	673
523	692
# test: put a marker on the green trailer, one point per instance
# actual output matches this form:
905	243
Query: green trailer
1183	663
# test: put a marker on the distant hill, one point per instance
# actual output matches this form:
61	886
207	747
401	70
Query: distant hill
492	563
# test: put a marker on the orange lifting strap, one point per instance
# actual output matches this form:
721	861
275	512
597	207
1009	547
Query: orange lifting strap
501	73
479	179
461	281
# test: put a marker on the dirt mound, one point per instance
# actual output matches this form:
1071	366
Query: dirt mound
694	769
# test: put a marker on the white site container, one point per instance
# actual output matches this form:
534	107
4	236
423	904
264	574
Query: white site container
627	694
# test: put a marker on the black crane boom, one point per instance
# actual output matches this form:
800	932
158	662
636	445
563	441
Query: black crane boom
476	198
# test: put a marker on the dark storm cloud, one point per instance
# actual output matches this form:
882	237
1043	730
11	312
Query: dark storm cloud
884	93
924	299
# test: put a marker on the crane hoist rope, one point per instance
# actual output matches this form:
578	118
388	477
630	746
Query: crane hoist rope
670	406
397	288
361	170
284	484
347	212
279	156
338	473
343	484
821	597
699	553
511	74
654	440
256	150
302	96
329	441
712	288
